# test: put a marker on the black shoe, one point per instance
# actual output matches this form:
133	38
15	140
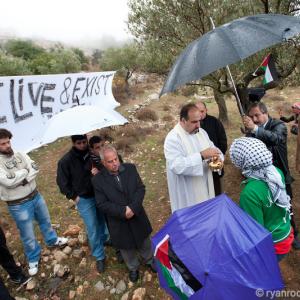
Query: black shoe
119	256
133	276
152	267
20	279
100	265
296	244
108	243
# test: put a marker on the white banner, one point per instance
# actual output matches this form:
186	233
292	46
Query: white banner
28	102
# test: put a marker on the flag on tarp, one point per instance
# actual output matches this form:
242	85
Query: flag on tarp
267	68
214	250
176	274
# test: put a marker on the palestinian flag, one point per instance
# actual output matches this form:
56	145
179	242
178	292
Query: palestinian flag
178	278
267	68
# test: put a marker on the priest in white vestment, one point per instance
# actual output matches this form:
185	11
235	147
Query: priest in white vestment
188	150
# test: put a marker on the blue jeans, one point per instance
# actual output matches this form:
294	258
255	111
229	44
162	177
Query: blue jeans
95	225
24	214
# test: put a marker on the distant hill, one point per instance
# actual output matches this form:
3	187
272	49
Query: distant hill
88	45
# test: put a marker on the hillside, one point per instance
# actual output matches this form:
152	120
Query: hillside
142	142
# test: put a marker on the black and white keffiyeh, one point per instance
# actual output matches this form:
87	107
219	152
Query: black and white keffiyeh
255	160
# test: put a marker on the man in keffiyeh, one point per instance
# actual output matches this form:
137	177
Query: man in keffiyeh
264	196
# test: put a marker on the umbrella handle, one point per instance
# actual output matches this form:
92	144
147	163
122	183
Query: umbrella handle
238	100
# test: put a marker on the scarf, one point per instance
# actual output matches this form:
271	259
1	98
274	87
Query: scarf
197	180
255	160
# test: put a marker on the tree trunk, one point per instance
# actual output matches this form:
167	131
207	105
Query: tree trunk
223	114
127	89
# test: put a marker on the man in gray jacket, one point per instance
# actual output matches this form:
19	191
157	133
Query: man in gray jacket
25	204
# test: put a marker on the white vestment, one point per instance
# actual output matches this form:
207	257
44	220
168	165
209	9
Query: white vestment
189	178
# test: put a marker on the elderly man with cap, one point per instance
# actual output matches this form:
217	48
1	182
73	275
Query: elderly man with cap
264	195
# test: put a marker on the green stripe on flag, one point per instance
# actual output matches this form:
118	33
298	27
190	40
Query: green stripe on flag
171	284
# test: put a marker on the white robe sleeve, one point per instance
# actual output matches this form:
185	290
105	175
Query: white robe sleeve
177	159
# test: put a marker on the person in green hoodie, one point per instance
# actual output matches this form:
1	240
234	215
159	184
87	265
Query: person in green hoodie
264	196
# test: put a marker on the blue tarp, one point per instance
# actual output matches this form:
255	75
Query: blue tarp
225	249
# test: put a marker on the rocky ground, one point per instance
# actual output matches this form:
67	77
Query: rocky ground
70	273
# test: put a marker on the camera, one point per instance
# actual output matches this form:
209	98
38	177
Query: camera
294	129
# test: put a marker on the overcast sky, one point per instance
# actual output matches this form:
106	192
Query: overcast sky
64	20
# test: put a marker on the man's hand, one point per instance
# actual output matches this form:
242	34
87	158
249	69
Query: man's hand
129	213
248	123
210	153
94	171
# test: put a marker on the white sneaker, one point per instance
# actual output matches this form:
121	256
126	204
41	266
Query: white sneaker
61	241
33	268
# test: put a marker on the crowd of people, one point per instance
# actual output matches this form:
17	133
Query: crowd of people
109	193
261	156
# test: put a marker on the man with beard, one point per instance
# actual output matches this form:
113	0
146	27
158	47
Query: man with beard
25	204
74	180
188	151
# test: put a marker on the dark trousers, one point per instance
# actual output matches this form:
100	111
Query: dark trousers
131	256
4	294
8	263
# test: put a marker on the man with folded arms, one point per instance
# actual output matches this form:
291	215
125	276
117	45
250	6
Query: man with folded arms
25	204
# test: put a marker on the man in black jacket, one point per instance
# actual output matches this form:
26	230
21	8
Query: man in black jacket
119	193
74	180
217	135
274	134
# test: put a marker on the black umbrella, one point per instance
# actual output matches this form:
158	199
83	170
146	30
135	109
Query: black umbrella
228	44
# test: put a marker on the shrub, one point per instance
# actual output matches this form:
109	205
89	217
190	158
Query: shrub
145	114
166	107
125	144
168	118
106	134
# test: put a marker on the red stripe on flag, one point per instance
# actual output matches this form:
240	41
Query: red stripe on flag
266	61
162	253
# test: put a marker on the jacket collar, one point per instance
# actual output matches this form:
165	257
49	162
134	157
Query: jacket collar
121	170
80	154
109	177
